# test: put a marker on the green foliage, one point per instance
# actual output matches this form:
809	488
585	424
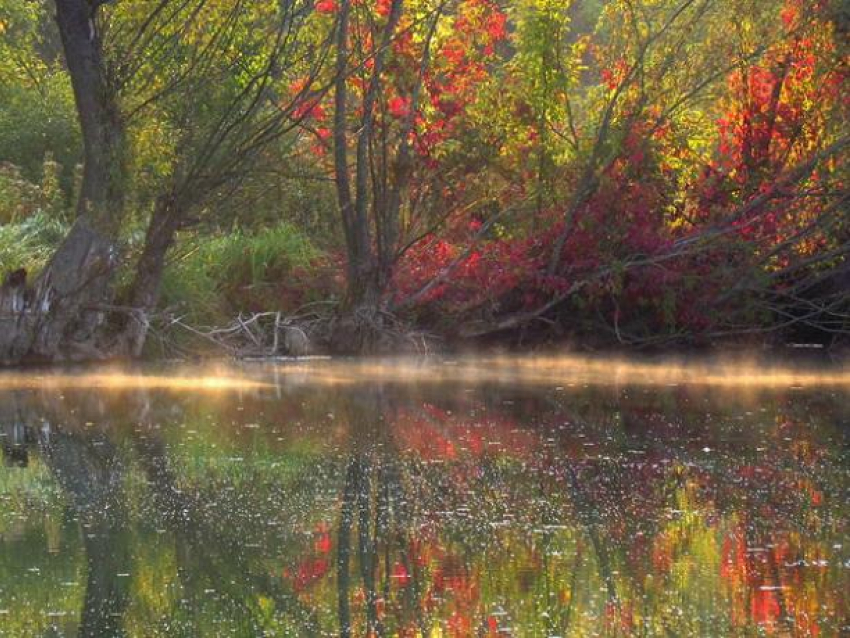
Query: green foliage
269	269
286	185
29	243
19	26
18	196
37	119
21	198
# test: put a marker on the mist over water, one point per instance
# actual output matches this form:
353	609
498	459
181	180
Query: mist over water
727	372
479	496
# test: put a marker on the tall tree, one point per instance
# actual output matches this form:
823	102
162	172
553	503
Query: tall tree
394	63
59	317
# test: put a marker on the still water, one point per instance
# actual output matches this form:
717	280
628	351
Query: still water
451	498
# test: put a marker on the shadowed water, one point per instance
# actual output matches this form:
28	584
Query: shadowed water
528	499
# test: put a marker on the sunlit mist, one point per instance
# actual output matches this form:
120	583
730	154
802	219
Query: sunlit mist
568	370
532	370
127	381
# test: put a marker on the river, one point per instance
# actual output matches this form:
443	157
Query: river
475	497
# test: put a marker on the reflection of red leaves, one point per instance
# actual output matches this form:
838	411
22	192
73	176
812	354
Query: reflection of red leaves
619	617
400	574
307	572
326	6
733	564
662	558
765	606
434	434
459	625
312	568
452	582
323	544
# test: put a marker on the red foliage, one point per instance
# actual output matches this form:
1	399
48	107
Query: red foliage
643	203
768	126
399	107
326	6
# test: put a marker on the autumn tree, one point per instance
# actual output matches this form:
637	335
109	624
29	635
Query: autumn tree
404	75
58	317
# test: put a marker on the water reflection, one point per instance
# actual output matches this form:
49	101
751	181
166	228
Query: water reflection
414	509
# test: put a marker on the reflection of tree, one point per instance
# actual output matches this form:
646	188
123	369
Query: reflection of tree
210	551
655	482
384	486
88	469
346	521
208	542
16	436
374	501
362	412
588	515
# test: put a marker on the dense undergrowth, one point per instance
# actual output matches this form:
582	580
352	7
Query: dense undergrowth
209	280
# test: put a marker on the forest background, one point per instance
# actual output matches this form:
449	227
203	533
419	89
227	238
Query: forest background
355	176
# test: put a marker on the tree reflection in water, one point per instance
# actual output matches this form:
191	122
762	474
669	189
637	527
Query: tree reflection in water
392	510
85	463
90	472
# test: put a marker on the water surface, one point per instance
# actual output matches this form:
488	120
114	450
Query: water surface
506	497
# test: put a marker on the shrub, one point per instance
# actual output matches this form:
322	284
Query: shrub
21	198
37	120
276	268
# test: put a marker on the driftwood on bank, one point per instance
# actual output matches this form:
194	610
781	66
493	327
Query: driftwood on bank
259	334
270	334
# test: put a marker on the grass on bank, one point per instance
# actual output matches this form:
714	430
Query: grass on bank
30	242
211	279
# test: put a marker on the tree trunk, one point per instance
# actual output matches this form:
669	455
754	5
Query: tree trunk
144	293
359	327
60	317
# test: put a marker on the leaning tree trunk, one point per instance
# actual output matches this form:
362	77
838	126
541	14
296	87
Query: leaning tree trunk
60	316
145	288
